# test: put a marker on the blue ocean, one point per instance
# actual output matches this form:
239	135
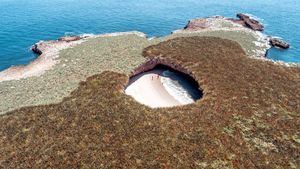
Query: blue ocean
23	22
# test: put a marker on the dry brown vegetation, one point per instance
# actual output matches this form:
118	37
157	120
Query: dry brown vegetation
249	117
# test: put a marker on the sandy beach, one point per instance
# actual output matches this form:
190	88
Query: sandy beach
148	89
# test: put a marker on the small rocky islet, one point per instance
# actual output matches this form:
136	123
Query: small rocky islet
74	113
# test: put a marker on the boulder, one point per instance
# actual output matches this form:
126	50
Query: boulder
279	43
35	49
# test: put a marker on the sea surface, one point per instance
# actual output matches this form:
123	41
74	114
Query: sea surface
23	22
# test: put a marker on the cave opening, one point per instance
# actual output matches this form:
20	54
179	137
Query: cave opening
163	86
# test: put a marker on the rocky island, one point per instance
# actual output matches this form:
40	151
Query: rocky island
68	108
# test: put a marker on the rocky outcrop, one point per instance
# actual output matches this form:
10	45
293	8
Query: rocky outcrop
279	43
210	23
35	48
41	46
244	20
249	22
70	38
219	22
196	24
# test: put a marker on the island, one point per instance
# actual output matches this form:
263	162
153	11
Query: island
69	108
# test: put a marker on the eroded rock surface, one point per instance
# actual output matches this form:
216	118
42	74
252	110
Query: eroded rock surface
244	20
69	38
221	23
250	22
279	43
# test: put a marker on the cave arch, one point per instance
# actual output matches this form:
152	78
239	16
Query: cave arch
158	83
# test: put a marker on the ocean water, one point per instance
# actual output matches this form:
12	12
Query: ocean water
23	22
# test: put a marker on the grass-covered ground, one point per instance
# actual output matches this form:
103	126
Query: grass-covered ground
119	54
248	117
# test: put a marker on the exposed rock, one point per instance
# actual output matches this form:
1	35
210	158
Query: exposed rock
42	46
196	24
244	20
279	43
35	49
69	38
249	22
218	22
210	23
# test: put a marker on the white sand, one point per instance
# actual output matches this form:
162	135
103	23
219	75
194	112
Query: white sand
148	89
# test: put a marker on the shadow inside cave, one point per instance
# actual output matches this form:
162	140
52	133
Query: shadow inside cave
163	86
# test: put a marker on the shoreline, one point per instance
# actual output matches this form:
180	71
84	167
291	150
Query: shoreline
49	50
45	61
54	80
216	23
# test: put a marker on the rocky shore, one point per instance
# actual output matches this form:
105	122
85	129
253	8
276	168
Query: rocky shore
244	20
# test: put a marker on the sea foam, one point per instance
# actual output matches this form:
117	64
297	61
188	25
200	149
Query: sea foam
177	87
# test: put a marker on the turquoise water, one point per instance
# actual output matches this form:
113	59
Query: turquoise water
23	22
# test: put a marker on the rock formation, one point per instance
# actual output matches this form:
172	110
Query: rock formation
196	24
244	20
253	24
279	43
69	38
41	46
35	48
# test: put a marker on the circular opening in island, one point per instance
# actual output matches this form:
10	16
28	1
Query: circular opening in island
163	86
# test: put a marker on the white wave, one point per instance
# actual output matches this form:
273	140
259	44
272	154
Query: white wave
277	37
70	34
175	88
151	38
87	35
